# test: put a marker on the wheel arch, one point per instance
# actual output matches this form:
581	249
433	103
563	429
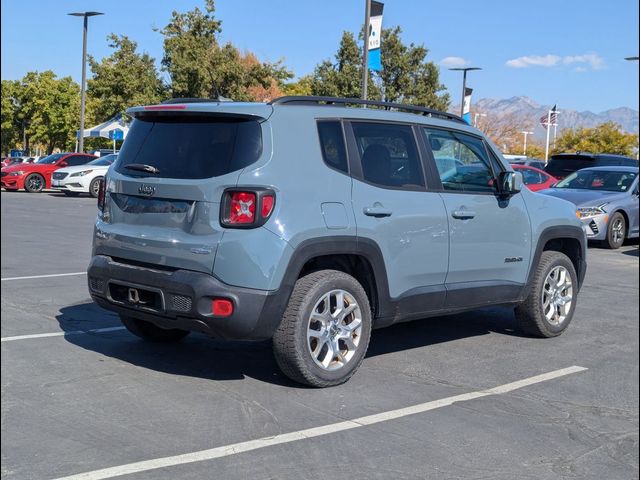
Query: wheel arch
358	257
567	239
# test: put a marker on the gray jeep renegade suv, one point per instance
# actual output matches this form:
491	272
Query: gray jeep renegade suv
310	221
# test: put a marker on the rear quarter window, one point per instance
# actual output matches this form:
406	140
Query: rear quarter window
190	147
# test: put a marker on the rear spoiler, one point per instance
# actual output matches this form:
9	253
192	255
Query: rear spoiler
249	111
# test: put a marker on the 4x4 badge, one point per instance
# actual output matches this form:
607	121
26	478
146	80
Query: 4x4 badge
147	190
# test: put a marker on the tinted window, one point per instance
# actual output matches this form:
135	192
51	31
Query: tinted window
332	145
530	177
566	164
75	160
104	161
462	161
52	158
190	146
388	155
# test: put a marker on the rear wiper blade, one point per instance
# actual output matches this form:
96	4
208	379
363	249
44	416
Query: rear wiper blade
143	168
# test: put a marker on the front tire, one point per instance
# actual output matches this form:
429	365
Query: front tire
549	308
148	331
94	187
616	231
34	183
324	333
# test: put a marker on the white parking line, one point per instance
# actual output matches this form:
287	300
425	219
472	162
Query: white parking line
43	276
59	334
250	445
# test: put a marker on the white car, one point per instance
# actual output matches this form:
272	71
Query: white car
82	178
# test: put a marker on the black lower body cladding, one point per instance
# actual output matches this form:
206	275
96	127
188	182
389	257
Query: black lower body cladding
181	299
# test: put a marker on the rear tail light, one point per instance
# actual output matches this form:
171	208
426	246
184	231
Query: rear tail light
246	208
101	195
221	307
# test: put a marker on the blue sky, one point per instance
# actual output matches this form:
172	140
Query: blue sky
568	52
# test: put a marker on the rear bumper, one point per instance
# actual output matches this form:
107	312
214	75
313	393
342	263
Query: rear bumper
185	300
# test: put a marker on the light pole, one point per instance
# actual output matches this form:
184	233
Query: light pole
475	118
525	133
464	71
631	59
85	16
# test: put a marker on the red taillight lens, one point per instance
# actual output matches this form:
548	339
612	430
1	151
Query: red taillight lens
249	208
267	205
101	194
221	307
243	208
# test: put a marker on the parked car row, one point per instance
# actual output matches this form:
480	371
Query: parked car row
70	173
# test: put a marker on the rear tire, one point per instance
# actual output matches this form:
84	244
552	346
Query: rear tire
616	231
34	183
549	308
148	331
318	343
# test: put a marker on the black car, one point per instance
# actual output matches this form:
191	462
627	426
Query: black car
564	164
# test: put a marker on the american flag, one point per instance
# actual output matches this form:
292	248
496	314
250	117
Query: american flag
551	118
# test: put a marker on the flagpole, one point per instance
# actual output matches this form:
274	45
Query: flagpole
546	150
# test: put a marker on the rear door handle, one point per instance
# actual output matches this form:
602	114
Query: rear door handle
463	214
377	212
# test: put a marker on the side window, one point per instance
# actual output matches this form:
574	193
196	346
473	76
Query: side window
462	161
530	177
74	160
388	155
332	145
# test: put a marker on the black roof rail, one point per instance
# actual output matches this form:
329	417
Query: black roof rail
196	100
315	100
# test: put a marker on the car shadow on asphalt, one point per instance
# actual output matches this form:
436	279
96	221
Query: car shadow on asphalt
212	359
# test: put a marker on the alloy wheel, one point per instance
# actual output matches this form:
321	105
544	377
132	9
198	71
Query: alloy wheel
557	295
334	330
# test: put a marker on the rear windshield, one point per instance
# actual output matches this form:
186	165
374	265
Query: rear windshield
189	147
565	165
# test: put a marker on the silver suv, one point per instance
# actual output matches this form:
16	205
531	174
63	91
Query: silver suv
310	221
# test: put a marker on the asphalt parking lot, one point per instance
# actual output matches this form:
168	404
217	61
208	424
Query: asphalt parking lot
92	399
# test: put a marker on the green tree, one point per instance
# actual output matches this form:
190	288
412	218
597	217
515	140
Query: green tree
406	76
200	67
124	79
342	78
605	138
52	107
304	86
11	122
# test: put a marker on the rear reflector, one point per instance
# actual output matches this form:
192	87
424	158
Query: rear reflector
267	206
221	307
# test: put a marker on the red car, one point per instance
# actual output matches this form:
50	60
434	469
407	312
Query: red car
534	178
34	177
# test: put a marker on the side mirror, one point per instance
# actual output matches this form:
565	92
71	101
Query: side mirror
62	164
510	183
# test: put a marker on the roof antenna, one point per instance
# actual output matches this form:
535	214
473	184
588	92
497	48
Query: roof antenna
214	90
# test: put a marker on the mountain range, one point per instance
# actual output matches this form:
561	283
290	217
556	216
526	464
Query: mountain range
528	112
